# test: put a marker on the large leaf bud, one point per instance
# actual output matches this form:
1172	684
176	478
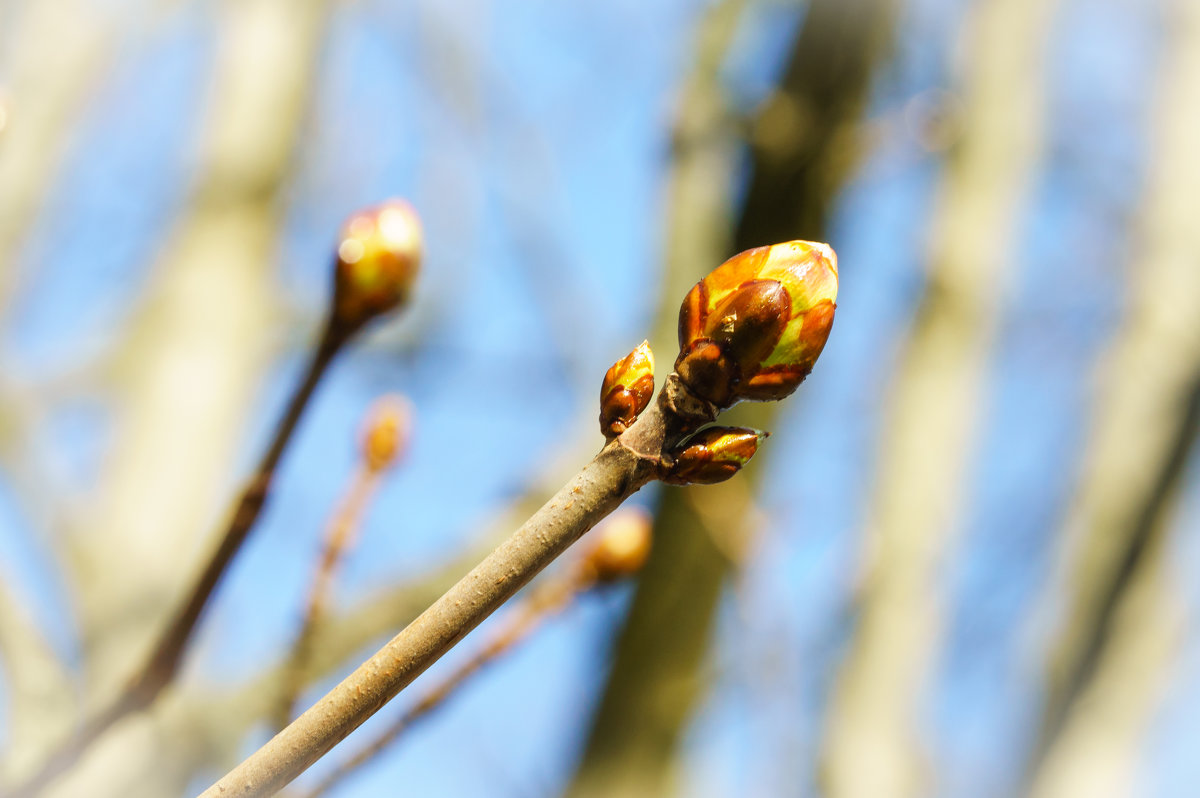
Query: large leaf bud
753	328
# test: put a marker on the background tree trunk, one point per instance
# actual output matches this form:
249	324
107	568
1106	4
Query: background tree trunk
932	413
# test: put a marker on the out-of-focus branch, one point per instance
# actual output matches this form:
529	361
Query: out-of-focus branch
931	415
45	88
199	349
1146	419
1097	751
37	682
375	268
801	153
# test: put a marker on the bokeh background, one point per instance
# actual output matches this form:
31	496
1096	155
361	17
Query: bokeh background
964	563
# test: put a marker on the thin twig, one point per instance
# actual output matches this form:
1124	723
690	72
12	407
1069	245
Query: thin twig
620	469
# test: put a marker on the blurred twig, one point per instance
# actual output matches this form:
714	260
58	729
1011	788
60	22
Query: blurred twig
933	407
1145	424
162	665
386	432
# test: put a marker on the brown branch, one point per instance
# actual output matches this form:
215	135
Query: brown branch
620	469
619	551
547	600
163	664
206	726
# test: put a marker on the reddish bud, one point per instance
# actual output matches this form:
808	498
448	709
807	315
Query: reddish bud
627	389
377	260
753	328
622	545
386	431
713	454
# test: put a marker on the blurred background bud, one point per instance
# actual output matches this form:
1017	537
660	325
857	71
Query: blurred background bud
622	544
713	454
378	256
753	328
387	430
627	389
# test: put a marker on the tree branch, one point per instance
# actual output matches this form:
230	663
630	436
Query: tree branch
622	467
622	543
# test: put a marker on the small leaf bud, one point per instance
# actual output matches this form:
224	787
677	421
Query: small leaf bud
712	455
627	389
378	255
753	327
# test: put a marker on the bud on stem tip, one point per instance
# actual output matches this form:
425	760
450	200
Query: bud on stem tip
378	255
